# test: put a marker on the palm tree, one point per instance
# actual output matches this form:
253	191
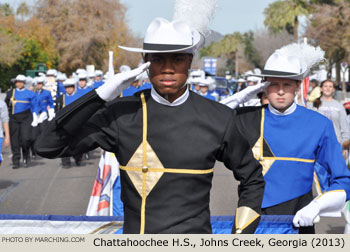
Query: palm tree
283	14
6	10
23	10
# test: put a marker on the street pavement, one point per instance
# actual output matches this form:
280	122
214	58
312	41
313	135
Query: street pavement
46	188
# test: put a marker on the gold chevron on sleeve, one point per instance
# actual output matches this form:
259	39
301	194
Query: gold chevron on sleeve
244	217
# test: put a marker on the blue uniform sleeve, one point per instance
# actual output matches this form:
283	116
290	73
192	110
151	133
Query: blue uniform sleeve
330	156
34	103
50	101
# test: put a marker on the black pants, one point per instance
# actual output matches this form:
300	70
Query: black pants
291	207
66	160
36	131
20	135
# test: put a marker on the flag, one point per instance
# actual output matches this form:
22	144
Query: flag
110	73
305	85
100	203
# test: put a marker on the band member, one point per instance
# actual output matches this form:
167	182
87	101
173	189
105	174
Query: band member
63	101
288	139
22	105
98	79
165	183
82	87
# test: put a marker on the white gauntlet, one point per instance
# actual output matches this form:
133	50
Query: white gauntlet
42	117
51	114
244	95
35	120
328	202
115	85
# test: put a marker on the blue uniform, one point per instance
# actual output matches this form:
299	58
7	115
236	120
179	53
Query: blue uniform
23	100
97	84
208	96
62	102
68	99
288	146
60	89
82	91
22	104
44	99
132	90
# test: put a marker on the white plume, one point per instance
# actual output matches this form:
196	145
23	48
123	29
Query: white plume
196	13
306	53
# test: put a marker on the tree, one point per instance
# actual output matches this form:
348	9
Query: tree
35	30
283	14
250	50
6	10
230	46
23	44
10	49
85	30
266	43
23	10
330	29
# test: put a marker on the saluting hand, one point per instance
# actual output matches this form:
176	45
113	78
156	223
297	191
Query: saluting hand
115	85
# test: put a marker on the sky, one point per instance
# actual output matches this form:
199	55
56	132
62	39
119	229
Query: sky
231	15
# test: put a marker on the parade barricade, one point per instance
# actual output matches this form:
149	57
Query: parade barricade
66	224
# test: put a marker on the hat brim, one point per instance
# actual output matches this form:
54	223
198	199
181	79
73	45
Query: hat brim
198	40
277	74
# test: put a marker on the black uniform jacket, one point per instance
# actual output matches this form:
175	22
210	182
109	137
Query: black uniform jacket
166	156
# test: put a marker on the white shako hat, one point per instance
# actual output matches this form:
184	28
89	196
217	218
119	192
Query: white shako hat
205	82
184	34
124	68
69	82
163	36
195	76
80	70
253	78
292	61
241	80
40	79
51	72
61	76
98	73
82	76
92	75
20	78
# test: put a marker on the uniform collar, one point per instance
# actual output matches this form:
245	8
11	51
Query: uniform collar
158	98
20	89
288	111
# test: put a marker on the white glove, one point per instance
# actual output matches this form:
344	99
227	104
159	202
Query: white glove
115	85
244	95
305	216
321	205
42	117
35	120
51	114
